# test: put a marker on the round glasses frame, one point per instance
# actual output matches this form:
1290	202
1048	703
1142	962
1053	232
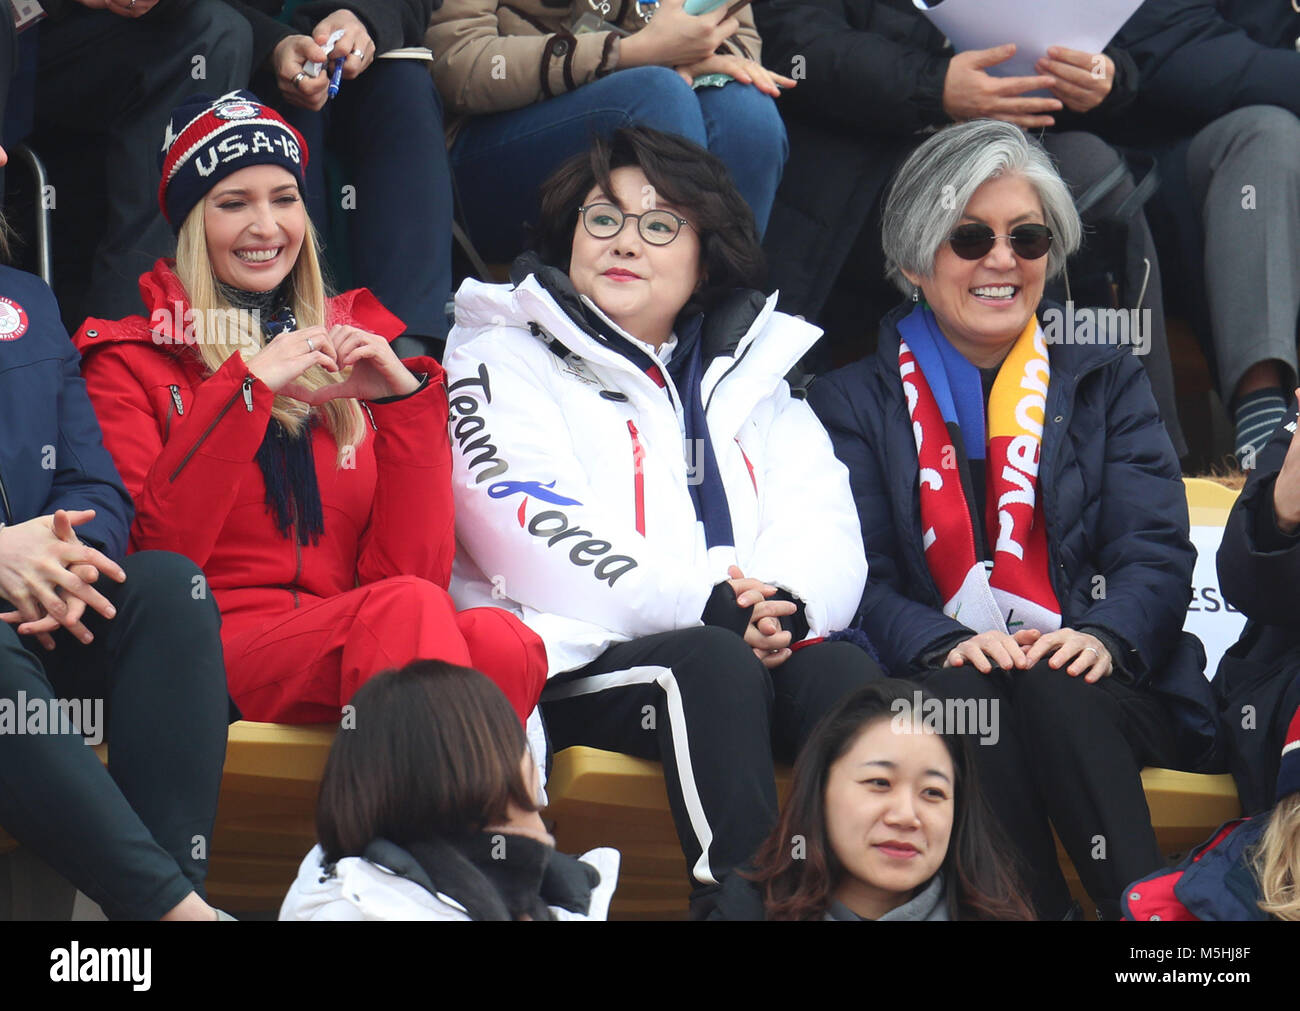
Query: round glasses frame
658	214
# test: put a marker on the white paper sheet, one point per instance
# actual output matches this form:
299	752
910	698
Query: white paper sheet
1033	25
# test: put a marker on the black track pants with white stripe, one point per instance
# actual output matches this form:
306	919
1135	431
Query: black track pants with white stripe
699	700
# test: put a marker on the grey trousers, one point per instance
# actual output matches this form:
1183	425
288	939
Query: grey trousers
1244	172
1084	159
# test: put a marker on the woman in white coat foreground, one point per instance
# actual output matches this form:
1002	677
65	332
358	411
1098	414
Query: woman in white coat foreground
634	478
427	812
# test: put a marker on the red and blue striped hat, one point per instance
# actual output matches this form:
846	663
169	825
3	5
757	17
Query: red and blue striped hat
209	138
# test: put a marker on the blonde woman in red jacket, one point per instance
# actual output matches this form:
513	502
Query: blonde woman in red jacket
270	434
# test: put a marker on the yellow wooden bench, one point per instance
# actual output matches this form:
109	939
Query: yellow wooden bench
1208	502
599	798
265	821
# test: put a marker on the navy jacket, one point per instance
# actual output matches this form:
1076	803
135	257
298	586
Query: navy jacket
51	453
1215	881
1198	59
1259	571
1259	565
1114	504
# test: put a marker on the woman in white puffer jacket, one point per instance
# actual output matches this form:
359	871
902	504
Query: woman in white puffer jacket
634	479
427	812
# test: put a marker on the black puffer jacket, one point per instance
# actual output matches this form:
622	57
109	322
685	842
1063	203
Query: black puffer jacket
392	24
1199	59
1258	682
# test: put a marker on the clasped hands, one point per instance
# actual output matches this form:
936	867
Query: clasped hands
770	643
1080	81
47	573
1085	654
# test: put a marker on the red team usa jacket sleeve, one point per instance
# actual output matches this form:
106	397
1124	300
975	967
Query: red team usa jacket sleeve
411	530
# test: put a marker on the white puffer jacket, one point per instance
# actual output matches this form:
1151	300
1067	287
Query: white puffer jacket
359	889
571	478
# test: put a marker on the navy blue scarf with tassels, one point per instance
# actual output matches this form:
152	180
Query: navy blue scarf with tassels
287	461
708	493
289	470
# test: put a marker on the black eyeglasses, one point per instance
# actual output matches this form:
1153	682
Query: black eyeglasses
657	227
972	242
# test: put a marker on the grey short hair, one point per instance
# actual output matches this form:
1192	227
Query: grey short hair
930	192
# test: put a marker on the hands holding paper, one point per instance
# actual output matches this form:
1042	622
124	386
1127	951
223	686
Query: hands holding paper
1078	80
1083	80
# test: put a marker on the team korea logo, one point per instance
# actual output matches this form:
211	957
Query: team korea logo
235	110
13	319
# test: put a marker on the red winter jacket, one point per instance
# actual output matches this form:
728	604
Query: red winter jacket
186	448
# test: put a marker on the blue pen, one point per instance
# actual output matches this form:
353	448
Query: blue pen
336	78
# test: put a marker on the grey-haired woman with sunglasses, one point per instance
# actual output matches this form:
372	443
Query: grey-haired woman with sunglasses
633	477
1023	513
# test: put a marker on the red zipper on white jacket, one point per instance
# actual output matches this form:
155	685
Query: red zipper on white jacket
638	480
745	456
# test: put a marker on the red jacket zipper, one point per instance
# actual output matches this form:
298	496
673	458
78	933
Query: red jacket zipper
176	408
247	390
638	480
297	568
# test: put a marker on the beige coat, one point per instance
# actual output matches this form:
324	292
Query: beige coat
492	56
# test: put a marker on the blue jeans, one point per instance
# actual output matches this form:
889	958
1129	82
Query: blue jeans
500	159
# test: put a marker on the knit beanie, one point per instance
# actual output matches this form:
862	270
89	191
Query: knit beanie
207	139
1288	773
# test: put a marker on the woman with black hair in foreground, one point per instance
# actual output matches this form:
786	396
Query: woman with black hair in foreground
885	821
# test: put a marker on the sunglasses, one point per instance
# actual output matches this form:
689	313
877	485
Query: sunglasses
973	242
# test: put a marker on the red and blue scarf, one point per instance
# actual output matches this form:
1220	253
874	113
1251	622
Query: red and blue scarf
946	405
